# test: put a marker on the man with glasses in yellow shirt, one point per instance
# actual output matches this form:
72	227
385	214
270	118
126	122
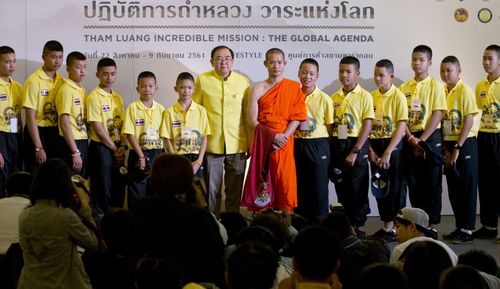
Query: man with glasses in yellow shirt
221	91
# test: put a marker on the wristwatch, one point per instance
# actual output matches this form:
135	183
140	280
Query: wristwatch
38	149
355	150
457	146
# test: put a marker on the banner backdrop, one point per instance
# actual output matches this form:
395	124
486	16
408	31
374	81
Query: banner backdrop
172	36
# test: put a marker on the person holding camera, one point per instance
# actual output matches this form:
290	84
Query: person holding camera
50	230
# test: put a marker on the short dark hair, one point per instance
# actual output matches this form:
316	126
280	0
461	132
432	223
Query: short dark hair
316	252
258	233
385	63
73	56
382	276
252	265
351	60
275	50
171	175
146	74
451	59
423	49
19	183
184	76
339	224
52	45
494	47
6	50
272	221
105	62
212	53
309	61
462	277
53	181
158	270
480	260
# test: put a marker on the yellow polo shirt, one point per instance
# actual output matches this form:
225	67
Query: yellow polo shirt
390	108
423	98
488	100
461	102
10	104
71	100
319	114
39	94
185	128
106	108
224	101
352	109
144	124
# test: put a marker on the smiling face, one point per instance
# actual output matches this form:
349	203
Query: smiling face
147	88
308	75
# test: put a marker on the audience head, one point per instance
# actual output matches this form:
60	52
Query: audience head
258	234
234	223
116	227
462	277
155	271
382	276
480	260
171	175
339	224
316	253
274	222
19	183
46	186
424	261
252	265
411	223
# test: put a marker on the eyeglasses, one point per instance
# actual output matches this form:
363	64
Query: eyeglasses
221	59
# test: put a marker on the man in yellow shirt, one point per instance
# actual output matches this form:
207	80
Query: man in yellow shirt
349	148
142	127
385	145
40	90
426	105
488	142
70	105
10	118
221	92
312	152
107	146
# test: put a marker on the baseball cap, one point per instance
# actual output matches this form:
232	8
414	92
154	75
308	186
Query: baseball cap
379	182
414	215
436	158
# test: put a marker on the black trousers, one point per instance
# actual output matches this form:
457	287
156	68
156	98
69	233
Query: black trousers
49	136
463	190
489	175
424	178
10	153
352	187
139	185
312	158
65	154
389	206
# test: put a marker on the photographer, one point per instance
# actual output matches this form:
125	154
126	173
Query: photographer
50	231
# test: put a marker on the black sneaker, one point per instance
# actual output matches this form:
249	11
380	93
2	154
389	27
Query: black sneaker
387	236
463	238
484	233
452	235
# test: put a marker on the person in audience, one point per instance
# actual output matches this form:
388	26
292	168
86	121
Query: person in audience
480	260
382	276
461	277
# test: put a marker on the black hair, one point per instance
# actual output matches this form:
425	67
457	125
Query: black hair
258	234
146	74
52	45
387	64
351	60
234	222
495	48
451	59
339	224
53	181
309	61
272	221
105	62
423	49
19	183
462	277
275	50
381	276
171	175
158	270
73	56
212	53
6	50
480	260
184	76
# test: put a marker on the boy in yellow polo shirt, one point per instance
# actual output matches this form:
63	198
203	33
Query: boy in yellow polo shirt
142	128
10	118
185	126
488	142
460	149
426	105
349	149
311	149
105	114
70	104
40	90
385	145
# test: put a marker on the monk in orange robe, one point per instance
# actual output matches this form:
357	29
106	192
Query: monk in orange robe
279	105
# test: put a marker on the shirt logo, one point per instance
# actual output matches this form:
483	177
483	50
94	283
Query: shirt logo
3	97
139	121
408	95
106	108
44	92
176	123
78	101
482	94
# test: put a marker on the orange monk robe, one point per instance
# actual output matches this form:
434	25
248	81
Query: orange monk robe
283	103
